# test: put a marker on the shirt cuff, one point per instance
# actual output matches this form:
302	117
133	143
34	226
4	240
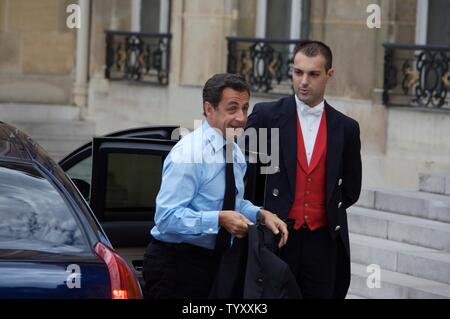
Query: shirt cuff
251	211
210	222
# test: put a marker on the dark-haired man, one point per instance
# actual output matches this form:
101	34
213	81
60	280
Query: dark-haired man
319	175
200	204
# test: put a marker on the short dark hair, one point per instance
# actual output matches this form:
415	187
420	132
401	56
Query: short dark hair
212	91
314	48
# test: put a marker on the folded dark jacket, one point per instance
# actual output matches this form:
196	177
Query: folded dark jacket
251	269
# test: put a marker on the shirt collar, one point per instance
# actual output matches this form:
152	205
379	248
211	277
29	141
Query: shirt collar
213	136
306	110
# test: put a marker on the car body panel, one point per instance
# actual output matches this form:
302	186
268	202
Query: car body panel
31	274
39	268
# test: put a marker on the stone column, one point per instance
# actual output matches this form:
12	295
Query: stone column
261	17
199	46
81	69
164	16
421	21
296	19
136	15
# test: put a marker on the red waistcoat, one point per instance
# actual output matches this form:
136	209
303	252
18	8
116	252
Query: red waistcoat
310	193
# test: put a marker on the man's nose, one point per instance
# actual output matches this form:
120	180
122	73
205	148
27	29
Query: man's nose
304	81
241	116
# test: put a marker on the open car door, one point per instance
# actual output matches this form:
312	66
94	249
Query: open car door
126	178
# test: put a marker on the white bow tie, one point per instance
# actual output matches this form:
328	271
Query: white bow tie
315	111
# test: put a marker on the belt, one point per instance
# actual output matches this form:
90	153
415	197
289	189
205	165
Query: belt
183	247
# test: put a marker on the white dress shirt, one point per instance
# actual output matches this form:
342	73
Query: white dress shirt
309	121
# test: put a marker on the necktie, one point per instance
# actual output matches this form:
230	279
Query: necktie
314	111
229	200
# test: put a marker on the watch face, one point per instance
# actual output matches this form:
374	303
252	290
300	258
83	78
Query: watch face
258	217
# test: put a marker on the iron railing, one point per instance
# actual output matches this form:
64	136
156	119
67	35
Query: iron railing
265	63
142	57
416	76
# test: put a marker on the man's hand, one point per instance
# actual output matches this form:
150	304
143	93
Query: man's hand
275	224
234	222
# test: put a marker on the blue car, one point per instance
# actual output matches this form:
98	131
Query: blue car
51	244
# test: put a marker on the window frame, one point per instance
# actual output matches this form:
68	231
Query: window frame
101	148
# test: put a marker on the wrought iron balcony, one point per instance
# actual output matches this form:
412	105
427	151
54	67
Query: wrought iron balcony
416	76
142	57
265	63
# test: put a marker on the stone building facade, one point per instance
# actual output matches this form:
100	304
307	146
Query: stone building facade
39	63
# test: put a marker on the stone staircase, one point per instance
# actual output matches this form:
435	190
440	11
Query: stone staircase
56	128
407	234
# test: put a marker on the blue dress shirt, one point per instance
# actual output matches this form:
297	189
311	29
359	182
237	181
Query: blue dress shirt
193	187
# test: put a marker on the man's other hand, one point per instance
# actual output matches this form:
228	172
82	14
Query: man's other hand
234	222
275	224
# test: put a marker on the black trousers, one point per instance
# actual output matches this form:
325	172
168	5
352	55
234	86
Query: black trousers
178	271
312	257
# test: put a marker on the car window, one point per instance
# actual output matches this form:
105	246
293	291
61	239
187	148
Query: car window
81	170
132	184
34	215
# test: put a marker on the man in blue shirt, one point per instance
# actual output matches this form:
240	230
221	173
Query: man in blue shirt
191	214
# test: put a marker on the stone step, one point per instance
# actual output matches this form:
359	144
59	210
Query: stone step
401	228
394	285
407	202
400	257
366	198
59	129
354	297
434	183
10	112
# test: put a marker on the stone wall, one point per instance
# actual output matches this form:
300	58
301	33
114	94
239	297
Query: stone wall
36	52
246	23
114	15
358	51
199	48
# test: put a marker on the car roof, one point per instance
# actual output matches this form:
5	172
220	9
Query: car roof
13	145
139	132
17	145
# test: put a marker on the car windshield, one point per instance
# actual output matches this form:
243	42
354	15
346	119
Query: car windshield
34	215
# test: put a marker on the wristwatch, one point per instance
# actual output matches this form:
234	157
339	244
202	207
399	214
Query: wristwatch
259	218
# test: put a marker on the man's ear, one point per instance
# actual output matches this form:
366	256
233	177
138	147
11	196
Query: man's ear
208	109
330	73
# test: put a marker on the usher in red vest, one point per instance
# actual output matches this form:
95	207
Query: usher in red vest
310	197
